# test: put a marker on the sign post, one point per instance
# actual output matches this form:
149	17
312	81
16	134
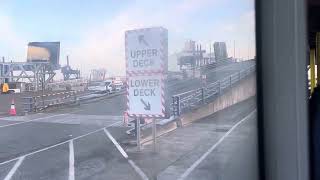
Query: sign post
146	66
154	134
138	133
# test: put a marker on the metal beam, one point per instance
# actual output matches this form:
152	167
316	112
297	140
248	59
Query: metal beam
312	69
34	72
318	57
282	89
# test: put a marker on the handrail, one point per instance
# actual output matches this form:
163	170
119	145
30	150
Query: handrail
194	98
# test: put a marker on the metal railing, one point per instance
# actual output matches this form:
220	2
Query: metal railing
192	99
55	99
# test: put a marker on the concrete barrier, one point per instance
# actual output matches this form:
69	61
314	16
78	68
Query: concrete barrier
239	92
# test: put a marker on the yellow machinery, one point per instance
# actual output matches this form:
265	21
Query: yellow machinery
5	88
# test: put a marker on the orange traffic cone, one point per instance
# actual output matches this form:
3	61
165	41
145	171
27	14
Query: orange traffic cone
12	109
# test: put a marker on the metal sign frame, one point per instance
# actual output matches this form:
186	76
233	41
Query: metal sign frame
159	90
159	65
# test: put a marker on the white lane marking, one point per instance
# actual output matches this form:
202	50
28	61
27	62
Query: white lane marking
83	119
33	120
55	145
14	168
138	170
124	154
195	164
71	160
37	119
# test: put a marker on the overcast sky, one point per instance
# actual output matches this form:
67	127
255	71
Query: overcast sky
92	32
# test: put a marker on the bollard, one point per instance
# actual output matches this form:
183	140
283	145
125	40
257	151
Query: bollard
176	105
34	104
202	96
154	134
176	110
179	122
138	133
75	97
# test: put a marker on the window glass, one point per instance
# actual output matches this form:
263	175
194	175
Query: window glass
128	90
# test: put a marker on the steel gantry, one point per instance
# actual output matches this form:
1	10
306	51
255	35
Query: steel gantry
36	73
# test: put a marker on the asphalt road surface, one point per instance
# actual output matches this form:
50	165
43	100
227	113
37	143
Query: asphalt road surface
83	142
222	146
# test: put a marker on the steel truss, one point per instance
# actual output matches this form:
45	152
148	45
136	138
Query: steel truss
37	73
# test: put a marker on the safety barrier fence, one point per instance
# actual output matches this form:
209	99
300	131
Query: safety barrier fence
42	102
193	99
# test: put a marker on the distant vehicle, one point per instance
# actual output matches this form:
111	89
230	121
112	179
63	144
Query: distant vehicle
14	91
108	84
118	86
98	87
102	87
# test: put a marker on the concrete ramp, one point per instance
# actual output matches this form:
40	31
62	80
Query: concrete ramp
240	92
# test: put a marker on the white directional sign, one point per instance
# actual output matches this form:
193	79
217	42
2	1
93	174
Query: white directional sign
146	50
146	95
146	62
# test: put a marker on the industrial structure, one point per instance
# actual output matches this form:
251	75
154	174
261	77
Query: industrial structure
220	51
69	73
98	74
39	68
36	75
193	59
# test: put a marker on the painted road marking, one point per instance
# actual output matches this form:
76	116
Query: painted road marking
125	155
37	119
59	144
14	168
33	120
138	170
195	164
83	119
71	160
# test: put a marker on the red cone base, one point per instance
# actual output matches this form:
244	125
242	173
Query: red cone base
12	111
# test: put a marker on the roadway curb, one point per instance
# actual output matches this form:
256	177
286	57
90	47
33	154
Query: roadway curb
161	130
146	132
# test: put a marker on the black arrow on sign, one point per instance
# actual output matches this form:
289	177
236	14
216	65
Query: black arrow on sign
142	40
147	107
